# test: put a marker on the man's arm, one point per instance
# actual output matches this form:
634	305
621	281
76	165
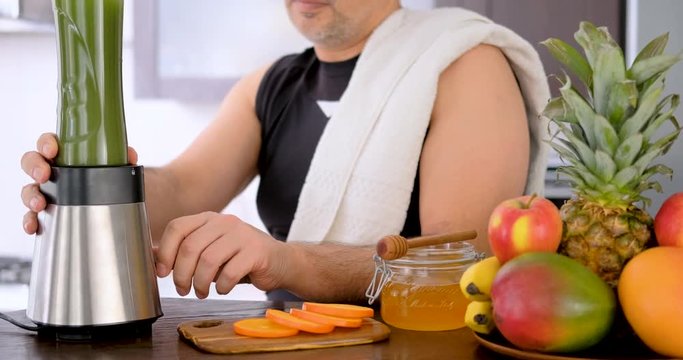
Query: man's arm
215	168
476	153
330	272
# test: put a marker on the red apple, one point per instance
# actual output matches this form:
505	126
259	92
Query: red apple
524	224
669	221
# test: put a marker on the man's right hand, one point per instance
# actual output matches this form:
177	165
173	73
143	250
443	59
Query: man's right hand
36	164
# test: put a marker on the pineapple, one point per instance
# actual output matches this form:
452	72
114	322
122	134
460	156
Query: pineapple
608	141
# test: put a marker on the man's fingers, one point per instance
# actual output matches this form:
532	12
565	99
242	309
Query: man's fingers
233	272
211	262
47	145
30	223
132	156
35	166
174	234
193	247
32	198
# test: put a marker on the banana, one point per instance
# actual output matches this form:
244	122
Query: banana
476	281
479	317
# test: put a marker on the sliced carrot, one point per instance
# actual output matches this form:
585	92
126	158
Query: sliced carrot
263	328
341	310
327	319
292	321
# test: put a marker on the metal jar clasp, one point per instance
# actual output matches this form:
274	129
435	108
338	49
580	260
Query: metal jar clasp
379	279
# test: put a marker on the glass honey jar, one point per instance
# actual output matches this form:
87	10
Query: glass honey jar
421	291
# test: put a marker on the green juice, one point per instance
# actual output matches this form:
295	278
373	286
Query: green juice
91	126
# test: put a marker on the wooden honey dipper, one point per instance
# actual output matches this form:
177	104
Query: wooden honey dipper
392	247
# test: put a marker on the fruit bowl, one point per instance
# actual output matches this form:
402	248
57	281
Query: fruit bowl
608	349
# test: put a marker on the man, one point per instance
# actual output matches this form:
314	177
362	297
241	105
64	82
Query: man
475	154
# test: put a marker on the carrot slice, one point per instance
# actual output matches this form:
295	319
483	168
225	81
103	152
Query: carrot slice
263	328
292	321
327	319
341	310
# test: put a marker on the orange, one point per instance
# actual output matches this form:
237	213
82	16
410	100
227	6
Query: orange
651	294
289	320
341	310
327	319
262	327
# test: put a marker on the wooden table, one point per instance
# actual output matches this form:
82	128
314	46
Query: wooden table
165	343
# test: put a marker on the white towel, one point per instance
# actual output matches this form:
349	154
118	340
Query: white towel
361	177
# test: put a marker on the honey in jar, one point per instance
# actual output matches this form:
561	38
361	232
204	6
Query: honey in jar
422	291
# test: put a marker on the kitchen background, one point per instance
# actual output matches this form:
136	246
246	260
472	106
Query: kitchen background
180	56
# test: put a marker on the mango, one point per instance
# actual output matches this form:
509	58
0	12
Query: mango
550	303
651	295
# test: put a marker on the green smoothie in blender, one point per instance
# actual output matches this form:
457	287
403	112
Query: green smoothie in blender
91	125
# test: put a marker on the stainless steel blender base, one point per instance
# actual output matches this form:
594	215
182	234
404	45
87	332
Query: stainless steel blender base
96	267
93	264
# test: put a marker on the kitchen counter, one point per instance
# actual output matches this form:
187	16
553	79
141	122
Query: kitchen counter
165	342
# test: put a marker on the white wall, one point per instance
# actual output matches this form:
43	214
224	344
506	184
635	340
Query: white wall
653	18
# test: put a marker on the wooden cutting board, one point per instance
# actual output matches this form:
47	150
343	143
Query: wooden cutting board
216	336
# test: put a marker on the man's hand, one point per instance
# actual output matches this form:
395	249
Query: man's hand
216	247
36	164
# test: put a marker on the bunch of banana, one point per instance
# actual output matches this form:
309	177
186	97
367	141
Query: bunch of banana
476	285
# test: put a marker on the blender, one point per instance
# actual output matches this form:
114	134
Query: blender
93	269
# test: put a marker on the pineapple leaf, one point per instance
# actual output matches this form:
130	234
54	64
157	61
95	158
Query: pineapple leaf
565	152
673	101
643	87
582	111
609	69
644	160
654	124
657	169
625	176
606	136
557	110
646	201
666	142
590	37
571	59
623	98
637	121
656	186
606	168
588	178
653	48
656	121
573	175
675	122
645	69
649	185
628	150
593	194
578	132
580	148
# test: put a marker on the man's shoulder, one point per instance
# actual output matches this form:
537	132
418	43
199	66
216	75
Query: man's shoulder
292	61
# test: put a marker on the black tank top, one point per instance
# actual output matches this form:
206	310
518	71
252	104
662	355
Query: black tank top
295	99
